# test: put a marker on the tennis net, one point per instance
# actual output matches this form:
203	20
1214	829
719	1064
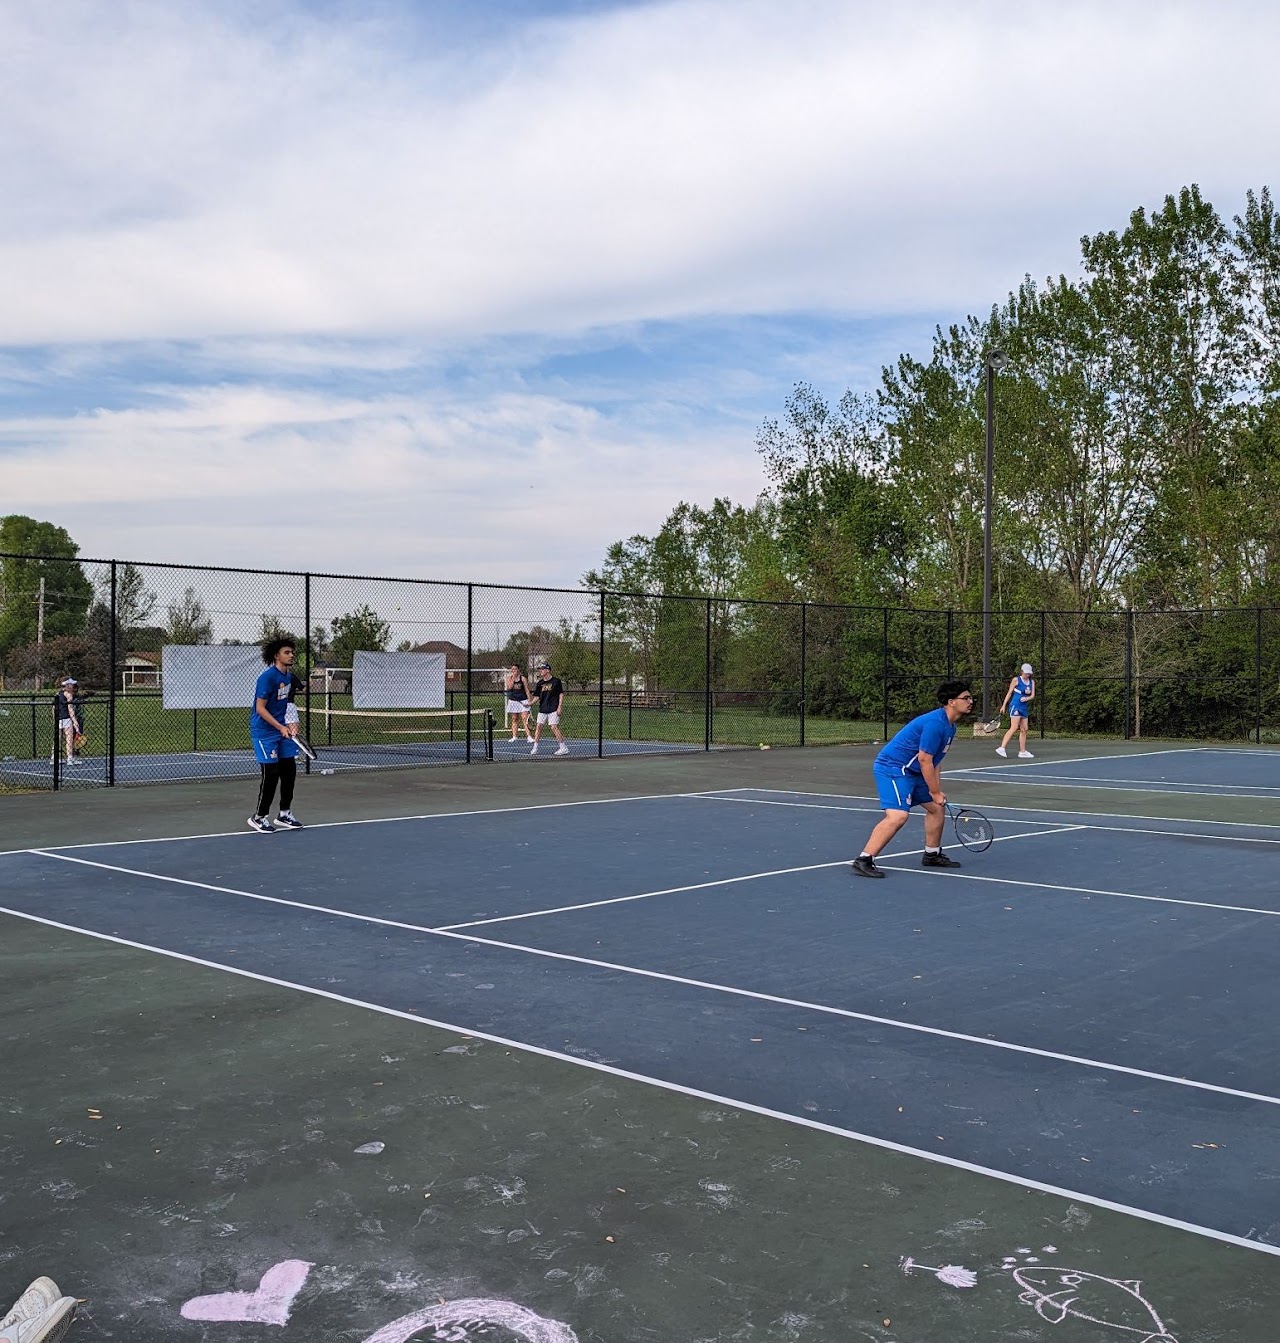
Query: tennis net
399	736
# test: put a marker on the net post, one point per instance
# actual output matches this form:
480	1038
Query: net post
489	721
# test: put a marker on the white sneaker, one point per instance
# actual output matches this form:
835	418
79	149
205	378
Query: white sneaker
1025	755
564	750
1000	751
535	749
49	1326
33	1303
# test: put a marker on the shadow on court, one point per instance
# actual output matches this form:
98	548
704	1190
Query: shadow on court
171	1131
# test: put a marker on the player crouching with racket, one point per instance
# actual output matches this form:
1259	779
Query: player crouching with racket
273	737
908	774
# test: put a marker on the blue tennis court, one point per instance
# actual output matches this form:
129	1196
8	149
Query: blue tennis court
1077	1009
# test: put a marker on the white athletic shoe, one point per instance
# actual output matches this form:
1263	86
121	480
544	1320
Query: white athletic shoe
1025	755
564	750
1000	751
535	749
49	1326
33	1302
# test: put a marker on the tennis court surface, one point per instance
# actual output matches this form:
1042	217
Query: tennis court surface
622	1051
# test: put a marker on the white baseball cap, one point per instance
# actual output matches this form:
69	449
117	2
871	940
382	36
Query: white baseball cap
71	680
1027	667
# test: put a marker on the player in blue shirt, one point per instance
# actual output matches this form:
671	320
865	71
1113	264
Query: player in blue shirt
272	735
908	774
1022	690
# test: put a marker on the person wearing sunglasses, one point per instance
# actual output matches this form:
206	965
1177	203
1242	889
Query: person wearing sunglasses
908	773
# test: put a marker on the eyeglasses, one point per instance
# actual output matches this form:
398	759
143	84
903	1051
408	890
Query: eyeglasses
968	697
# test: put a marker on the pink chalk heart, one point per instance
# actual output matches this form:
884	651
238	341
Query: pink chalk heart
270	1304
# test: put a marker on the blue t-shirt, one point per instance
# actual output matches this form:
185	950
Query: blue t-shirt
932	732
272	686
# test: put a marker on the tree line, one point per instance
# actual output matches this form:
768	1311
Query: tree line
1137	448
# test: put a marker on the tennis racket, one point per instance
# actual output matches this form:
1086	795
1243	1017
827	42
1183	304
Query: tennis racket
972	828
305	749
992	724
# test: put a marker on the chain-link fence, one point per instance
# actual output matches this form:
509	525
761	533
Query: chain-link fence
160	659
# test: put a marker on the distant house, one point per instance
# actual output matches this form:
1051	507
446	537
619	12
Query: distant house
486	668
141	671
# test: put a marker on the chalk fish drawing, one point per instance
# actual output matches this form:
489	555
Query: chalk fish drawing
1113	1303
270	1303
456	1320
952	1274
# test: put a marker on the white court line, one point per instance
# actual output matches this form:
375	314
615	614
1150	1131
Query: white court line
676	1088
1035	811
701	886
1102	778
1005	820
1090	890
1080	759
849	811
729	989
1124	788
371	820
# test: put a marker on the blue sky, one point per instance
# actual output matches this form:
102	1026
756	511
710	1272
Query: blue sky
487	286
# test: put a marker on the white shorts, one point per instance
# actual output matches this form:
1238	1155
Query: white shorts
515	706
548	719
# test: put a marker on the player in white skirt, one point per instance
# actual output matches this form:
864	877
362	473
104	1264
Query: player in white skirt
518	706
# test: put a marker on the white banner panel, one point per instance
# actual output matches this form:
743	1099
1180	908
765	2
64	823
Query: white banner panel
398	681
210	676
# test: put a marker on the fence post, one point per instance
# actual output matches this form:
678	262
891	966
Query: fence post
884	670
470	598
1040	715
804	664
600	684
1128	673
311	662
706	677
1257	675
951	615
112	656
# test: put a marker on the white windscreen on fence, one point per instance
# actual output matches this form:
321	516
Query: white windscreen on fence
209	676
398	681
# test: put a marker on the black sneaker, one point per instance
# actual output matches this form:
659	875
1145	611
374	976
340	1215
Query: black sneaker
262	824
288	821
863	866
938	859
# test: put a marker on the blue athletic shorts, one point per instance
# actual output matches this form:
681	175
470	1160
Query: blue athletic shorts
274	748
901	792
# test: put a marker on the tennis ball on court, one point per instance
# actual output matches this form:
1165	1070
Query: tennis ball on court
764	745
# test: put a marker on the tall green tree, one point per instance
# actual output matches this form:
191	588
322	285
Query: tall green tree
361	630
43	592
188	620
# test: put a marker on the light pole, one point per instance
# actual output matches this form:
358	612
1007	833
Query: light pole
993	363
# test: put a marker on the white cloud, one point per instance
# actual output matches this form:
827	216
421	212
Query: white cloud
522	488
347	247
178	170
